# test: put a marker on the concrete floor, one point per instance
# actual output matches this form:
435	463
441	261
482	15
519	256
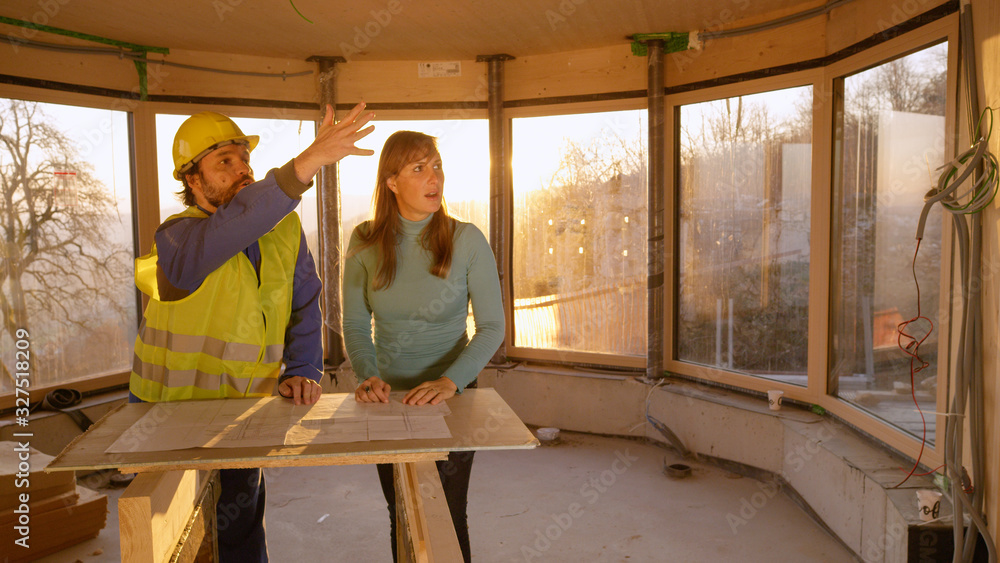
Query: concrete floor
587	498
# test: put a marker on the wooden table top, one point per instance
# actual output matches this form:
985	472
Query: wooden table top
479	420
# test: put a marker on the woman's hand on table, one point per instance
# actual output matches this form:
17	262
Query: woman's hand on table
431	392
372	390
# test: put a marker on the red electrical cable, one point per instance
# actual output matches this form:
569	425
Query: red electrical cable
912	349
931	472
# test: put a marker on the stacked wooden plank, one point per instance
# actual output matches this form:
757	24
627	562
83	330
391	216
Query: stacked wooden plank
42	513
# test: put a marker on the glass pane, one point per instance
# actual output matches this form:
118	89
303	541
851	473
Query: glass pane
66	274
579	241
280	141
890	141
745	178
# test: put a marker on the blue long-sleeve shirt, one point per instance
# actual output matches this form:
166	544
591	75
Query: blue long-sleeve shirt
189	249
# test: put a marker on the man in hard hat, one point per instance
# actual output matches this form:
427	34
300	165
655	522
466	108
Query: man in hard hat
233	292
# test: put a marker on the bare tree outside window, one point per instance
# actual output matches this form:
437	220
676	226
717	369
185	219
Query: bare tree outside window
66	275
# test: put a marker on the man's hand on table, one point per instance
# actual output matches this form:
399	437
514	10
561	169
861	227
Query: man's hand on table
301	390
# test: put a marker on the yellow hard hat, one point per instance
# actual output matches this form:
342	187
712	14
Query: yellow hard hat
202	133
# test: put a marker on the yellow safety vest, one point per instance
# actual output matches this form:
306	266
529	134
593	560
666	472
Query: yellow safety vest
225	339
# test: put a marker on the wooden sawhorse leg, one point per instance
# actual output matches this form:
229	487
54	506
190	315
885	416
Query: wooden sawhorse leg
163	514
424	530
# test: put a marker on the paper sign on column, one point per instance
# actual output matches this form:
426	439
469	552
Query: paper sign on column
274	421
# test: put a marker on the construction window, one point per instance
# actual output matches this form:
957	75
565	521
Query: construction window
891	138
579	245
744	187
66	274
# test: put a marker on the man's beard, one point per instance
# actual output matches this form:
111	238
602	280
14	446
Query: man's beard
219	197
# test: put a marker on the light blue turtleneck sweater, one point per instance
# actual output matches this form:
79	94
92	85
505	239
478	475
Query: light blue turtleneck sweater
420	320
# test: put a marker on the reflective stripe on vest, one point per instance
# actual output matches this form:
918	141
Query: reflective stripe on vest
226	351
225	339
201	380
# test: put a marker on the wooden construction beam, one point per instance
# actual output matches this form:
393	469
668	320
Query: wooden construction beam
160	513
425	532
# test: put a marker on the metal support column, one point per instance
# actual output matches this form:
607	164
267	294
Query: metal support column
501	198
328	207
656	251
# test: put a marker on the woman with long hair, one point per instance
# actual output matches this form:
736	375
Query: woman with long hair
414	269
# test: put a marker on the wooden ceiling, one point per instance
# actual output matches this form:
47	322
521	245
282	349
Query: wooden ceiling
438	30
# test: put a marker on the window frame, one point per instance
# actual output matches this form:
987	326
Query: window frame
112	378
671	282
821	237
545	355
672	230
943	30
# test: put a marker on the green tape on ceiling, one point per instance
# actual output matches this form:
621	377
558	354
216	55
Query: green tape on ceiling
673	42
140	67
142	50
85	36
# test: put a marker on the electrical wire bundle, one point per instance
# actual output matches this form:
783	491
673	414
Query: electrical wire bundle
983	189
967	399
966	403
976	198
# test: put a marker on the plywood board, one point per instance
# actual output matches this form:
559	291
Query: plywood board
575	73
398	82
273	421
479	420
176	81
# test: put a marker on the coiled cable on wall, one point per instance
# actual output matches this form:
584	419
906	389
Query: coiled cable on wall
984	187
967	403
967	498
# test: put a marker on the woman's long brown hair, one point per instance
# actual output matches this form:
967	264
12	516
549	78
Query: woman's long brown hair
400	149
